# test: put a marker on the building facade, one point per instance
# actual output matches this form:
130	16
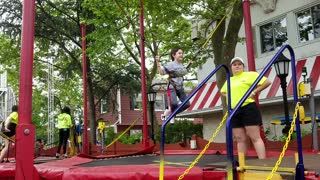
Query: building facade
274	23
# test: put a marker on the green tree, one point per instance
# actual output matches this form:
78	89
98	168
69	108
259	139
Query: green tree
180	131
167	24
57	35
113	41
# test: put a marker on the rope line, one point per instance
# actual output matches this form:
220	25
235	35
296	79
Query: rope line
124	132
205	148
285	147
215	29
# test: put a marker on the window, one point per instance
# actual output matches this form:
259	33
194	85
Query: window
309	23
137	102
160	103
135	131
104	106
273	35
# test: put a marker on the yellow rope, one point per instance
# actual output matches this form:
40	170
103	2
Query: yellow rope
275	168
215	29
124	132
6	137
204	149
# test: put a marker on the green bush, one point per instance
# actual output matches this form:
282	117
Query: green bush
125	139
110	135
283	138
132	139
180	131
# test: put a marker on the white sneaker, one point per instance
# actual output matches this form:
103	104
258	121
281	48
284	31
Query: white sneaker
172	120
167	112
57	155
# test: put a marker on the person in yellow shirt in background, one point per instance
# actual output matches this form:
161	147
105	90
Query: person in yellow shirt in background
9	130
247	120
64	125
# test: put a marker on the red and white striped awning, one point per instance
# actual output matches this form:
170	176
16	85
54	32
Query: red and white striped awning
208	97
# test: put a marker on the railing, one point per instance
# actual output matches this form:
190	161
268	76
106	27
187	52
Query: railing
162	138
231	164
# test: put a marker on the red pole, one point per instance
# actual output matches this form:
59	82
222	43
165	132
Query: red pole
25	129
84	74
248	32
145	140
249	44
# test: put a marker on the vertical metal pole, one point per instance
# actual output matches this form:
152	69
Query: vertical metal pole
248	32
25	129
283	83
102	141
84	74
51	122
313	118
145	140
300	166
250	49
152	122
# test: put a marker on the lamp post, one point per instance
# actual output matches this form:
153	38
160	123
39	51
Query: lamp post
152	98
282	70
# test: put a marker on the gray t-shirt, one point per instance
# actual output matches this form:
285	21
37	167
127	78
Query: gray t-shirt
176	72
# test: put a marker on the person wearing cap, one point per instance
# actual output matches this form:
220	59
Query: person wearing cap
247	120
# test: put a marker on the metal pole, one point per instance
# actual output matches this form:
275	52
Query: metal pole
300	166
145	140
25	129
250	49
152	122
283	83
102	141
313	118
248	33
84	76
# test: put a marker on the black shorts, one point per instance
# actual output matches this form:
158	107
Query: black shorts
12	128
248	115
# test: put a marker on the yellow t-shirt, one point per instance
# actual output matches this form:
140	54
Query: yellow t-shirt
14	117
64	121
239	85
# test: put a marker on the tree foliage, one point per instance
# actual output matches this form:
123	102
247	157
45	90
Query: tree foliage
181	131
58	41
113	50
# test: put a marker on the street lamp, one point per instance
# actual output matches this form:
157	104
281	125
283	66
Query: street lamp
152	98
282	70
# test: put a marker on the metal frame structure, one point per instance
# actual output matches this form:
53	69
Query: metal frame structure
7	100
163	127
231	162
50	79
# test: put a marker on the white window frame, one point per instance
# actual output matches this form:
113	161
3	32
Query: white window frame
103	103
274	40
297	24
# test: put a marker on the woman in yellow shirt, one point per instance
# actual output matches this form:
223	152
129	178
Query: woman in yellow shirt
64	125
247	120
9	130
